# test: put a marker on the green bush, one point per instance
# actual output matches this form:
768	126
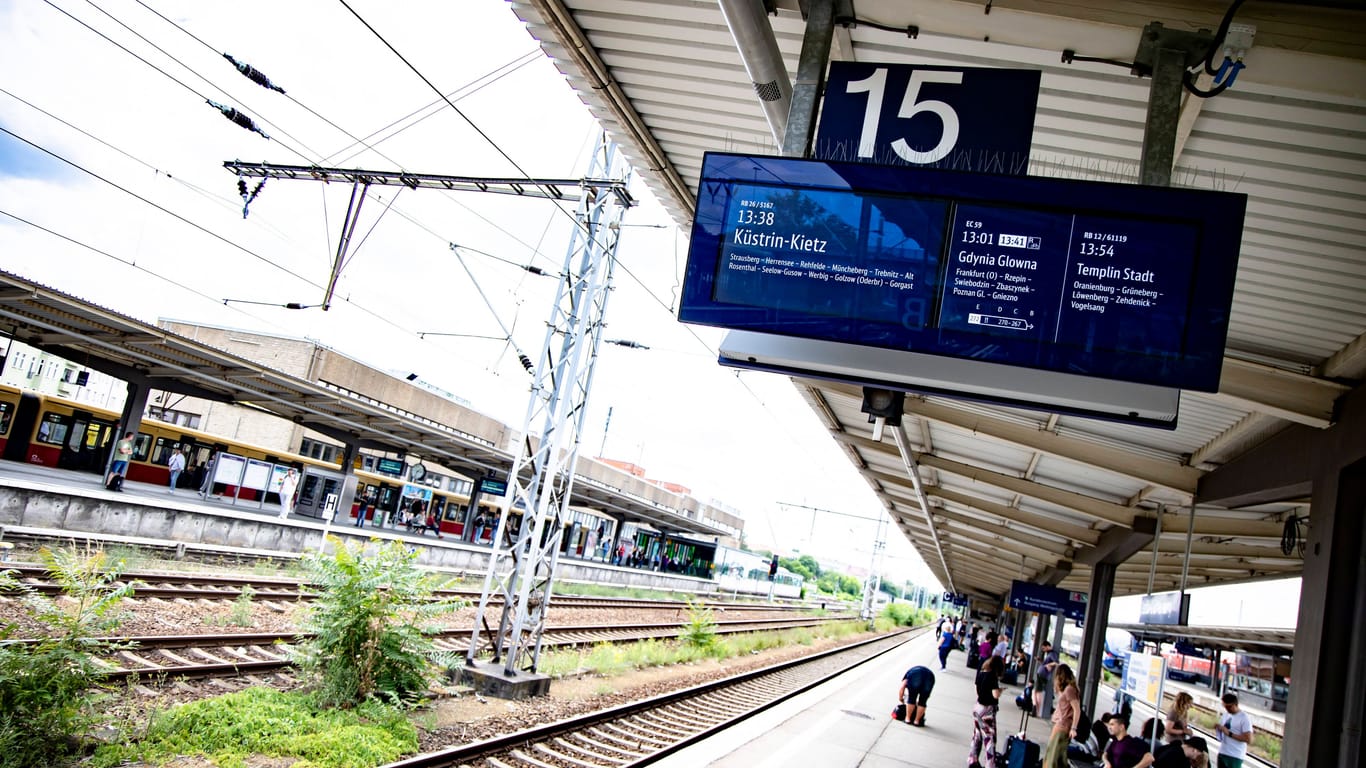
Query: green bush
47	688
371	624
901	614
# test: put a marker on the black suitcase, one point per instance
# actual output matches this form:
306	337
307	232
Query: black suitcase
1021	752
115	483
1011	676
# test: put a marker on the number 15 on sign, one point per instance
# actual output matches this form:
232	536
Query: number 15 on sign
911	115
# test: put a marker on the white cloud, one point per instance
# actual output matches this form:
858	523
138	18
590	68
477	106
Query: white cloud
745	439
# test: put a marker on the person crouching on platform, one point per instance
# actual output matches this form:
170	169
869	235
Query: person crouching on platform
916	685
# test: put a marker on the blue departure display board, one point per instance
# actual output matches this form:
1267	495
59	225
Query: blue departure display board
1115	281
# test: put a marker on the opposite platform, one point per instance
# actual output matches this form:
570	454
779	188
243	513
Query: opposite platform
847	723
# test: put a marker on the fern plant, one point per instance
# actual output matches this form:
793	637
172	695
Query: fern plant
48	687
373	621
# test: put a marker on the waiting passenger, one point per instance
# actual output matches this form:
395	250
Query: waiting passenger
984	713
288	485
123	453
1124	749
175	465
206	476
1197	752
1066	717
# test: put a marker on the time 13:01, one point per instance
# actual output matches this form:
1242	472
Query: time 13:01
972	237
757	218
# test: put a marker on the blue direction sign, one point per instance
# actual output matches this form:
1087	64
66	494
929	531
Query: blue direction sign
965	118
1042	598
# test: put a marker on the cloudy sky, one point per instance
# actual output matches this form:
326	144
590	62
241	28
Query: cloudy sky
112	189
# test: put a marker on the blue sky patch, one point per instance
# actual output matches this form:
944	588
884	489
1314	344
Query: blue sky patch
19	160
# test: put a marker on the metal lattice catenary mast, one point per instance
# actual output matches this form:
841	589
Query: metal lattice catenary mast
522	571
522	566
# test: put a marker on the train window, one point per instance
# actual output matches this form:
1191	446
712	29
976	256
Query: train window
53	428
161	452
316	449
142	445
6	414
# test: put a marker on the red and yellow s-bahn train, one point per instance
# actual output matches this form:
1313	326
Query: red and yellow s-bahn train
55	432
52	431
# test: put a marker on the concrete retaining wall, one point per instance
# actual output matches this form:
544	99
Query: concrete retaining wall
244	530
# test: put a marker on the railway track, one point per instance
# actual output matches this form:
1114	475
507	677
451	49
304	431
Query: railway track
641	732
151	585
1143	710
197	656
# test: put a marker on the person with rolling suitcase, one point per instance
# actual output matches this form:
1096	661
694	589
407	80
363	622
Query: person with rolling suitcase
118	469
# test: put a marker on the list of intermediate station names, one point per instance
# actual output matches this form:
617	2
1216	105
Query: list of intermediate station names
1009	272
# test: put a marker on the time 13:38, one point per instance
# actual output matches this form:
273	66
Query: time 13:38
757	218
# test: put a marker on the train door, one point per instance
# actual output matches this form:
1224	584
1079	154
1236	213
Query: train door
21	430
386	502
87	443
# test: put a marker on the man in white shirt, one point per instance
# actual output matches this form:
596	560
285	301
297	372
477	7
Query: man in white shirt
1235	733
176	465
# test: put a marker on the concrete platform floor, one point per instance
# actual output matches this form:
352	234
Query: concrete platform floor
847	722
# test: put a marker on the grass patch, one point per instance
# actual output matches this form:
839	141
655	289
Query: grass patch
605	590
261	721
607	660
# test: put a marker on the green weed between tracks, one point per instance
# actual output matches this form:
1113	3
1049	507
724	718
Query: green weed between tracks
48	689
260	721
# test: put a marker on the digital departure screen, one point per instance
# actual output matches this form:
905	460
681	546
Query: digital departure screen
1098	279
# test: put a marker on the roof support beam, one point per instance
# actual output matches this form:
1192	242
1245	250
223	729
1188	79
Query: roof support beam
1291	396
997	531
1110	512
1119	544
1167	474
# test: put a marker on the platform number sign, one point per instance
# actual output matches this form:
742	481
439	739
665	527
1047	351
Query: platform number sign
963	118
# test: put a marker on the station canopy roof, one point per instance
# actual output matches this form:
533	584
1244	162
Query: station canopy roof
133	350
1258	640
1013	493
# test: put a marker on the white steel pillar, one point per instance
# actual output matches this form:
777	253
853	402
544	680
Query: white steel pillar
522	573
